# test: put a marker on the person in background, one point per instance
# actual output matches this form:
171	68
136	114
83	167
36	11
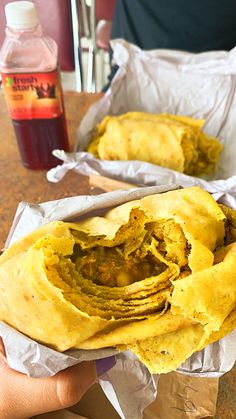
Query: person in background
194	26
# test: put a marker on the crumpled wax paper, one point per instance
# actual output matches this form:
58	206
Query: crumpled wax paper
128	385
199	85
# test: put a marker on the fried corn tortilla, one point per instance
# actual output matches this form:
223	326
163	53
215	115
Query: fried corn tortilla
156	276
172	141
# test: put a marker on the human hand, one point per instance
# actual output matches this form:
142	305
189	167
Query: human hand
22	397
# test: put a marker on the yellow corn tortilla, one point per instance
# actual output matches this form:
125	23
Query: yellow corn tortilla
227	326
145	276
191	296
166	323
172	141
165	353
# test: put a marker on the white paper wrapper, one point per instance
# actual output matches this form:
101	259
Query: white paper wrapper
198	85
142	174
129	386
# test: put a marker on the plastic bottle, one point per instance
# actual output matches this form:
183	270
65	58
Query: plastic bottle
32	87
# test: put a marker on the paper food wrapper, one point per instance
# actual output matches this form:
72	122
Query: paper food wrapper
182	397
199	85
128	385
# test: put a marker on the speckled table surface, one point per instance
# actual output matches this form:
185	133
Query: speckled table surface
20	184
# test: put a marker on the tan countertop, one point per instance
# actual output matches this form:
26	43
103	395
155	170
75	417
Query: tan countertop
20	184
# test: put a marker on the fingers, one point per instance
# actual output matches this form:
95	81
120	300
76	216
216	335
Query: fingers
21	396
70	389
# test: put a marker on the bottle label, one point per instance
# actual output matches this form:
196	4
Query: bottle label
33	95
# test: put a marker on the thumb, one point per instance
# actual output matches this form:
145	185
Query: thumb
72	383
22	396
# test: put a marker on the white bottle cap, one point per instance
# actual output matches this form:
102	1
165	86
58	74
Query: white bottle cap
21	15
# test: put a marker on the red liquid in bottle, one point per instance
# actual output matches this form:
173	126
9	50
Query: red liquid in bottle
32	87
47	134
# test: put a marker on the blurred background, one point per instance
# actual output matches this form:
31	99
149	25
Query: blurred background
82	30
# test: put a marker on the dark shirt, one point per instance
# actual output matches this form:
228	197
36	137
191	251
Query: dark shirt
190	25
